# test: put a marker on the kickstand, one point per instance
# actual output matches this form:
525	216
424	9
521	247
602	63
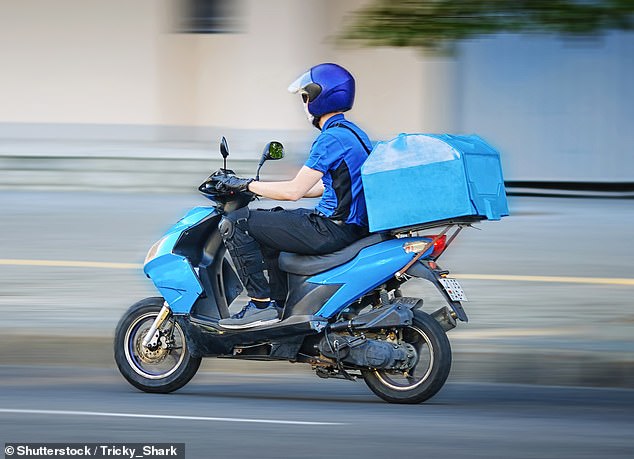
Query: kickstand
345	374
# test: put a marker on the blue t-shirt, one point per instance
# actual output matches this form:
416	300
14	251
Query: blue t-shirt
338	154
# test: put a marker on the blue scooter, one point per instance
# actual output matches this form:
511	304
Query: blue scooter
344	314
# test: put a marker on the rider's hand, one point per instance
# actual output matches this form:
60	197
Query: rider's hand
226	183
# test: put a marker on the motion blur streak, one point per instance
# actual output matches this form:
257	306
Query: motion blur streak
493	277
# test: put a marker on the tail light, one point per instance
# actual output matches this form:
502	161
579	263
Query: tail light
439	245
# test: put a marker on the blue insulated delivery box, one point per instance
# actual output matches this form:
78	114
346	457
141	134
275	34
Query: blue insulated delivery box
416	179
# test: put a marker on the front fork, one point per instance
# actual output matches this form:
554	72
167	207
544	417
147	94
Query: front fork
152	336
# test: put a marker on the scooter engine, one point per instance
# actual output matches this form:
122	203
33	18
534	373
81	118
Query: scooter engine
370	353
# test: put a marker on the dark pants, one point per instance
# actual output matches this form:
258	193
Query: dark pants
255	238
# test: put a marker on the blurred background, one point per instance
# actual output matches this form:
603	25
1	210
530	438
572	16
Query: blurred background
111	113
103	94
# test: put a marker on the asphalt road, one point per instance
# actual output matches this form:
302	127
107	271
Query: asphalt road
267	416
66	316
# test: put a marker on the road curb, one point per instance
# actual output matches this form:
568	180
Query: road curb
520	366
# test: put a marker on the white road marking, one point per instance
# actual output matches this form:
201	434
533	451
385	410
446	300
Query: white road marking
166	416
69	264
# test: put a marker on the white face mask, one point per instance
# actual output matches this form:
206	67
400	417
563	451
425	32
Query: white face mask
309	116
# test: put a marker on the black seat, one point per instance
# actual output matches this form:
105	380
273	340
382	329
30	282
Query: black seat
308	265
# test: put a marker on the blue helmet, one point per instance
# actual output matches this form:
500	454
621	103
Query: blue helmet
326	88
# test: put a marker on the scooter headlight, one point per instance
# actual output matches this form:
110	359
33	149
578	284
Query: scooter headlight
153	250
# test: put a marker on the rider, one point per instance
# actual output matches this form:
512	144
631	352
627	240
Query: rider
254	238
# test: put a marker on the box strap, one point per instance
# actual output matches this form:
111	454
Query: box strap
365	147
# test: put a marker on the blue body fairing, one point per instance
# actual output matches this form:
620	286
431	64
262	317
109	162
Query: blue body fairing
177	281
373	266
172	274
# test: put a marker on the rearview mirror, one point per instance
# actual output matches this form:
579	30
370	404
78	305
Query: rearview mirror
273	150
224	151
224	148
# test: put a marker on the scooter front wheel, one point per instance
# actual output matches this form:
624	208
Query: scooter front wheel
163	368
427	376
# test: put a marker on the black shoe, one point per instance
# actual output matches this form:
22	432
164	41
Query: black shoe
252	316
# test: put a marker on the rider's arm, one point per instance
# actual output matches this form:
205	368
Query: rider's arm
304	184
315	191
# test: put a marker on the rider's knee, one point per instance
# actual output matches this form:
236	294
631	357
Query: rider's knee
232	221
226	227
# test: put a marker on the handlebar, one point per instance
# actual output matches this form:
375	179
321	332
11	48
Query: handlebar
224	201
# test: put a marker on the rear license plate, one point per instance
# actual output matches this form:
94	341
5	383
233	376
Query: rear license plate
453	289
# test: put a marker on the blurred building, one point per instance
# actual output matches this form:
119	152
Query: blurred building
190	70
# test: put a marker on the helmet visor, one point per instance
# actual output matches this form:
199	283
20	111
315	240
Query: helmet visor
301	83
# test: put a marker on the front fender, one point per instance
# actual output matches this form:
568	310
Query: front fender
174	276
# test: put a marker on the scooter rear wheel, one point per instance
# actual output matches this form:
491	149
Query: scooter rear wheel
165	368
429	374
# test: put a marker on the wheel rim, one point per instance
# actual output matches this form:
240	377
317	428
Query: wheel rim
419	373
158	363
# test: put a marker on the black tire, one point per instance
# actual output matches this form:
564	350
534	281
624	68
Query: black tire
431	342
161	371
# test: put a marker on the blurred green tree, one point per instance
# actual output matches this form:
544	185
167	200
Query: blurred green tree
437	25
